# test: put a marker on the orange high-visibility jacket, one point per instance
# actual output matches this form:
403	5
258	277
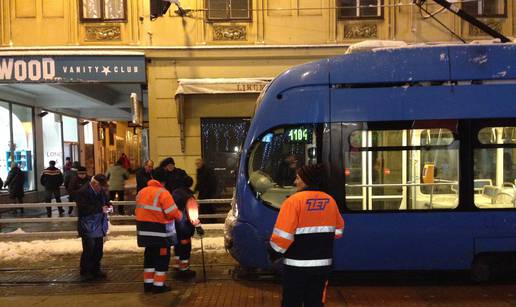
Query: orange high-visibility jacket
307	224
155	215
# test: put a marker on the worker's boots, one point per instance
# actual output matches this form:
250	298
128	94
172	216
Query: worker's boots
161	289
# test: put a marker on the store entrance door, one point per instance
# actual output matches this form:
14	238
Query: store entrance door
222	140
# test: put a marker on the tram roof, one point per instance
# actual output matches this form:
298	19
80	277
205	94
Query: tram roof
408	64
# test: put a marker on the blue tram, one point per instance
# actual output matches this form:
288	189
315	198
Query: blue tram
420	143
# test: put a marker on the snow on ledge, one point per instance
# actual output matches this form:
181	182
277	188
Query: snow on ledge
40	250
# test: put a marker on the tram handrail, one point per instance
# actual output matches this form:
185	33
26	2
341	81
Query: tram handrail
379	185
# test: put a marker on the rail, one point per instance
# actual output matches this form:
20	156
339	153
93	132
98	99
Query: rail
111	217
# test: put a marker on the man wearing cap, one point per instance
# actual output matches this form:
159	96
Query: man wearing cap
93	206
52	179
175	176
307	224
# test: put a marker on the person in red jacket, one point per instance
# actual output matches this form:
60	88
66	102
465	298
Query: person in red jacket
307	224
156	212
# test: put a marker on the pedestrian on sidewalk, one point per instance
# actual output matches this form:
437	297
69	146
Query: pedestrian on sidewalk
92	225
117	175
52	179
15	181
189	207
174	176
144	174
69	176
155	216
77	182
307	224
126	163
206	184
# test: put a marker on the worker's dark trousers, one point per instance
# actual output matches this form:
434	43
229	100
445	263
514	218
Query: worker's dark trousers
155	266
48	199
183	250
304	286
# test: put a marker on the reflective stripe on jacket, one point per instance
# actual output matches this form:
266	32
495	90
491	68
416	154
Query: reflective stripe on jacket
307	224
155	215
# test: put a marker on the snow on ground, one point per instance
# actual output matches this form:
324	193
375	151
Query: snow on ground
38	250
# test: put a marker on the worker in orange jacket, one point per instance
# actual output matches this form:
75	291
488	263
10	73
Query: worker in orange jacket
156	212
307	224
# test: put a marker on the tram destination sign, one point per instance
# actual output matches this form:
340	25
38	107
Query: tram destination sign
72	69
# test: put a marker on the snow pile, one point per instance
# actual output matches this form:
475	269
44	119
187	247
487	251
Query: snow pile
39	250
369	45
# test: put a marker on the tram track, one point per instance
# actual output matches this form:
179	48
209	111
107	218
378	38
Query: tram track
128	274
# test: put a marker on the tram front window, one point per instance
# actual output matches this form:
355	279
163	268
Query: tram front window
276	156
402	169
495	169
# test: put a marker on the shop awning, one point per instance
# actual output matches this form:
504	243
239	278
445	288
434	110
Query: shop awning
213	86
221	85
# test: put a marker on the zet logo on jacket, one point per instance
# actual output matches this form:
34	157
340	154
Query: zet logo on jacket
317	204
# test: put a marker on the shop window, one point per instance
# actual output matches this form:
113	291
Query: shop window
52	139
17	142
228	10
486	8
363	9
103	10
275	157
495	168
23	143
401	169
5	139
71	138
88	133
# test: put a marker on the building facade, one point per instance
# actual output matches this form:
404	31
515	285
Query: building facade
207	62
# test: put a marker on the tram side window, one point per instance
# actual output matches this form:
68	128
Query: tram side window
275	157
495	168
405	169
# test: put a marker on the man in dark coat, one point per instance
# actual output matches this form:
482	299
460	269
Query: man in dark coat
206	185
143	175
78	181
175	176
286	172
52	179
15	181
206	181
69	176
92	225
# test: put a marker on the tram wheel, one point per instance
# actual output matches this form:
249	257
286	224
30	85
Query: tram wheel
481	270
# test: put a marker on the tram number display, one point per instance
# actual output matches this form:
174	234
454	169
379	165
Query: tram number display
299	135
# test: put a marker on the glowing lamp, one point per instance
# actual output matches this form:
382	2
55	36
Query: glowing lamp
192	210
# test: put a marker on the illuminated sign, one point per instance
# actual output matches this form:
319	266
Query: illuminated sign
300	134
64	69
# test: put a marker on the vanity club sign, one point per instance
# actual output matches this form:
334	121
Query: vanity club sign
72	69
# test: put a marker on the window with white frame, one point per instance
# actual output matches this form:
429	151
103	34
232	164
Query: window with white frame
486	8
103	10
228	10
352	9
